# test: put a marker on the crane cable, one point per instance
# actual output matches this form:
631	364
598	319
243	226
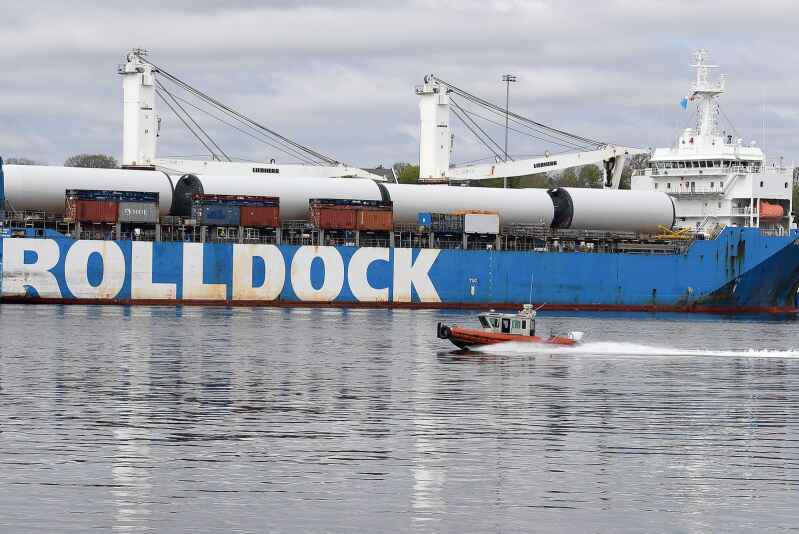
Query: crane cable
200	128
317	156
545	129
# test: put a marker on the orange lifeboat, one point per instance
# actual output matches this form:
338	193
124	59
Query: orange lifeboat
771	211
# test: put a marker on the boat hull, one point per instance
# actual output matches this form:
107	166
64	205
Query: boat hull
740	271
466	338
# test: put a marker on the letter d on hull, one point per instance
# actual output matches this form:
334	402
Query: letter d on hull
274	272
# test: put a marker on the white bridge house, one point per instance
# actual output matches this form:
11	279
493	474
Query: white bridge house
712	176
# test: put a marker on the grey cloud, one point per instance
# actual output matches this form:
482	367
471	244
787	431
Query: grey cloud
339	76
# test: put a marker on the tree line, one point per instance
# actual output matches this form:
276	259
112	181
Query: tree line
92	161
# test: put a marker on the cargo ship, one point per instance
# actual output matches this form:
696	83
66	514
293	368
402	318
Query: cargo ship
706	227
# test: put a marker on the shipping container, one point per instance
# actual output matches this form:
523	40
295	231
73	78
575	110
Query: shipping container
119	196
375	219
260	216
237	200
216	214
481	223
445	223
91	211
351	203
334	218
138	212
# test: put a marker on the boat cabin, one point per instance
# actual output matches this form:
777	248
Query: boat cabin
519	324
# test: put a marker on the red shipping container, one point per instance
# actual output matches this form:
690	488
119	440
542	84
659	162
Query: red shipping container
329	218
92	211
375	220
260	216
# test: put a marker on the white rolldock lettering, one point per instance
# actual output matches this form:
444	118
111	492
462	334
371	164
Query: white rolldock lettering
76	269
333	279
274	277
193	286
141	276
357	274
17	275
409	274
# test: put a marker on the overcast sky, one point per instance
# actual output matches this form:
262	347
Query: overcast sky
339	75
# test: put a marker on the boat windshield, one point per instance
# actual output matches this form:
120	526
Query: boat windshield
484	322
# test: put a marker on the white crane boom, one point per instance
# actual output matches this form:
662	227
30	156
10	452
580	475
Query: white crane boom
435	148
611	157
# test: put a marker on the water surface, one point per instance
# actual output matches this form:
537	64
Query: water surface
287	420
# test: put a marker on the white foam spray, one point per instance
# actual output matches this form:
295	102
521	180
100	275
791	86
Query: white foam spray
609	348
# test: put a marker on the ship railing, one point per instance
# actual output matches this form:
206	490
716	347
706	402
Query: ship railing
689	191
777	231
741	211
705	171
527	237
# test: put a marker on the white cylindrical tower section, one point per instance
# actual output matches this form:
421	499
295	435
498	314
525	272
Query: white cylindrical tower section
612	210
139	120
42	188
434	135
526	206
514	206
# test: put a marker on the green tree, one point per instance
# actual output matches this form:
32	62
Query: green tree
568	178
20	161
633	163
407	173
95	161
590	176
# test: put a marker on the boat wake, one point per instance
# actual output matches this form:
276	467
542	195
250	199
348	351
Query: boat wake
608	348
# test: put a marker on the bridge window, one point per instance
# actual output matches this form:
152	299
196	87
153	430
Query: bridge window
717	163
703	164
786	185
668	185
761	183
656	185
516	324
711	185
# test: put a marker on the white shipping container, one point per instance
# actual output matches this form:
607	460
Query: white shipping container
481	223
138	212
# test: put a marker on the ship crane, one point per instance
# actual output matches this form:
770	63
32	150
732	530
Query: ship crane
435	143
143	81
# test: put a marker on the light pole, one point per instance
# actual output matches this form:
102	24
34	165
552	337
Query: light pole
507	78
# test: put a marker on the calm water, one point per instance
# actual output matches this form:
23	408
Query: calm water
259	420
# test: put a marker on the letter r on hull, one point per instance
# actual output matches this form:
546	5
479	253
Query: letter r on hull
18	275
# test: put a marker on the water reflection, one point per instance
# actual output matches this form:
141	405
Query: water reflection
219	419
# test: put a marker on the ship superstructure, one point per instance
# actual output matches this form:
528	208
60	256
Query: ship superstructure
713	177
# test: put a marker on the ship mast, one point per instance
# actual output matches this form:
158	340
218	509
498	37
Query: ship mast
705	91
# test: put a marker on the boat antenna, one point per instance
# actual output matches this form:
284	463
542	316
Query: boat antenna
530	298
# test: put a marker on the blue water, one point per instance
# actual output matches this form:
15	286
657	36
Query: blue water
277	420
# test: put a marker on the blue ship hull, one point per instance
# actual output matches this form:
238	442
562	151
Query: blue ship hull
739	271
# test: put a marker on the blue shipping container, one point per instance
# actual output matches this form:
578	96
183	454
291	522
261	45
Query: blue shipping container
119	196
217	215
